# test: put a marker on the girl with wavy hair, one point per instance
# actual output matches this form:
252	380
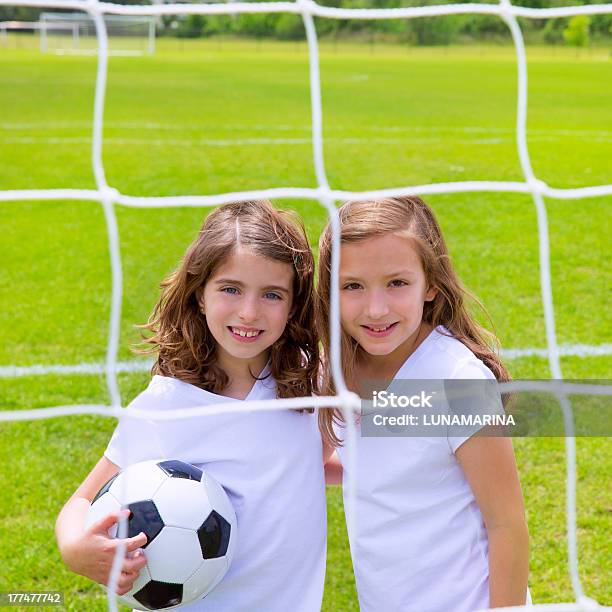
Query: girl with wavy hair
234	322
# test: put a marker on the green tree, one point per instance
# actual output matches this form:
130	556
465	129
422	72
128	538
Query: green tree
577	31
290	27
435	30
553	31
601	25
191	27
257	25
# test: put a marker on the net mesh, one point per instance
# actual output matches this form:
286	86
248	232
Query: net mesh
109	198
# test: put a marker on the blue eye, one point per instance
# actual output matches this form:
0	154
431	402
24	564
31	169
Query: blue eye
230	290
272	296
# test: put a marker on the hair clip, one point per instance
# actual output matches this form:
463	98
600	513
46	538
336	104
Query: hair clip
297	260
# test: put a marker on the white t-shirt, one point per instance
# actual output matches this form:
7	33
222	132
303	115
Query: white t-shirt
270	464
420	543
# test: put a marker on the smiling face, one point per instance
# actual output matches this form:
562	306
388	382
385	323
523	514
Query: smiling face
247	302
382	292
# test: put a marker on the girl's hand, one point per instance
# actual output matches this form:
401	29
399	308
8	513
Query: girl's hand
92	553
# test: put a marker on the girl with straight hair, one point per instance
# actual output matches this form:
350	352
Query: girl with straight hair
440	520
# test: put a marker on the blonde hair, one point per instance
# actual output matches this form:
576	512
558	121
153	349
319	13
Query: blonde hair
180	336
412	218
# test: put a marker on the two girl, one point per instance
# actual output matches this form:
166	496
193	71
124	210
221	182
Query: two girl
440	521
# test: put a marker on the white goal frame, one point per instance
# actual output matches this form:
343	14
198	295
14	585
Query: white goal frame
26	26
109	197
74	22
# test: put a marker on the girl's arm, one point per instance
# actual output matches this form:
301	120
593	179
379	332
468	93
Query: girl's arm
90	552
333	466
490	468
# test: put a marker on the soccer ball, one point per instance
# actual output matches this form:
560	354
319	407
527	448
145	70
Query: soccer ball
190	527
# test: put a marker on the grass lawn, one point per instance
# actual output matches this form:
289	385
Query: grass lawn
203	117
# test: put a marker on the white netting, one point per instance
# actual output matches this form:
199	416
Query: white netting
345	400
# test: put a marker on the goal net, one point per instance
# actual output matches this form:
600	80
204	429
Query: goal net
11	32
96	29
75	33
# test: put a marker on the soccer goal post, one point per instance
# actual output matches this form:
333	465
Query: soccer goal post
75	33
31	27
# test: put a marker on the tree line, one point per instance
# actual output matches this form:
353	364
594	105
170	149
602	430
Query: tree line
443	30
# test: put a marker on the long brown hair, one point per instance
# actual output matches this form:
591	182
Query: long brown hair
180	336
412	218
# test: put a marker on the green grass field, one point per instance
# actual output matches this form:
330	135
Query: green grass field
204	117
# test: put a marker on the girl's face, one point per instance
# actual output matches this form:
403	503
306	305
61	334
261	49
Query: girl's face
382	292
247	302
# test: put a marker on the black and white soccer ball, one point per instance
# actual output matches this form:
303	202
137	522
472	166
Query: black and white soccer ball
190	526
